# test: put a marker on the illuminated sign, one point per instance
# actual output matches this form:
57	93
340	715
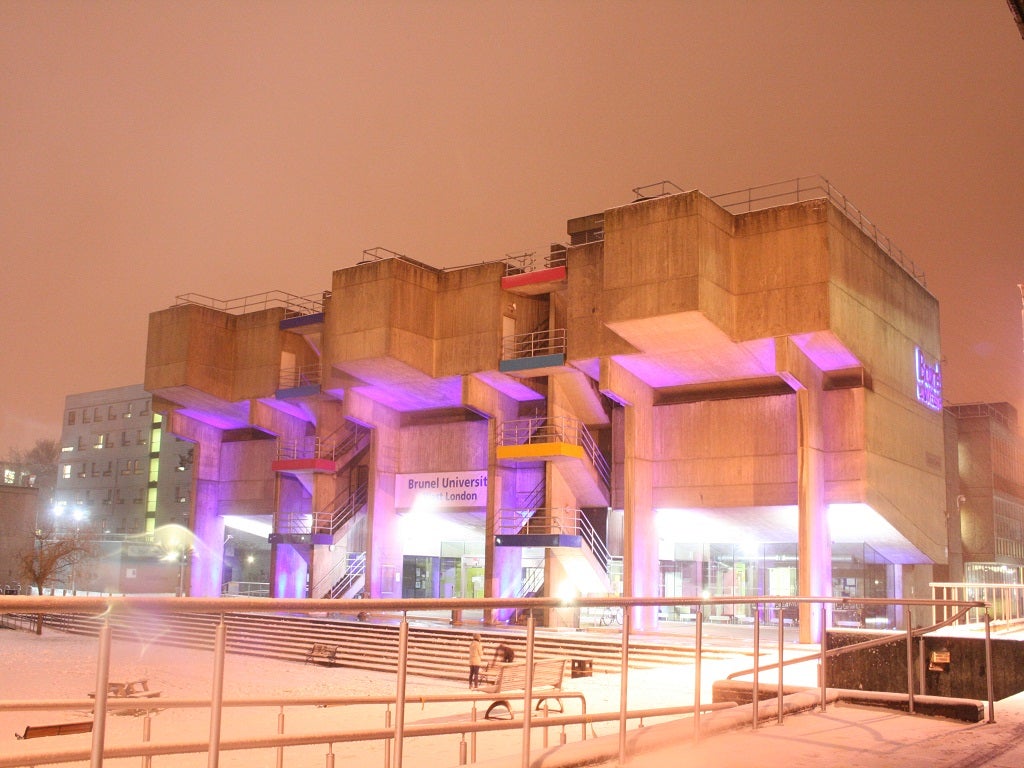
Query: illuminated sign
441	489
929	381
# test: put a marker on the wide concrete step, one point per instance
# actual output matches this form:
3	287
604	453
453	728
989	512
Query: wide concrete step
438	652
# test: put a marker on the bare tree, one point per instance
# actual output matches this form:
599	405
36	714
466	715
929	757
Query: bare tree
53	556
41	462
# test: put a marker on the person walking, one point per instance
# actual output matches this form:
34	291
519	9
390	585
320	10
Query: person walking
476	658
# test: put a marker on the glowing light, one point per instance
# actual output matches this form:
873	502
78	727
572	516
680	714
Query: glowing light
248	525
929	381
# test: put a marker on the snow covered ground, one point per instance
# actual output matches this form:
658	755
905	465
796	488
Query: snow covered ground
59	666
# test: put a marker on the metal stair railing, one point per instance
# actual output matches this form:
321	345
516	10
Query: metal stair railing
345	439
556	429
351	568
337	514
569	521
296	523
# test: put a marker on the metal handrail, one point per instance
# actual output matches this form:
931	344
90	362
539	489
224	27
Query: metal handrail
810	188
1006	600
534	344
295	306
521	262
105	606
300	376
568	521
554	429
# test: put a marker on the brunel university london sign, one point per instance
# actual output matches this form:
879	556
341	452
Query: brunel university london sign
441	489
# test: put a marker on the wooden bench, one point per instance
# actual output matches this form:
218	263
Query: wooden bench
60	729
322	653
547	674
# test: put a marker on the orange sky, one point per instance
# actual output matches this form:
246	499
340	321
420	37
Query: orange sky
149	149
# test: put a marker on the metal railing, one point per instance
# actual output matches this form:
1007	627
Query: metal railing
1006	601
294	306
341	510
534	344
394	735
810	188
300	376
569	521
982	410
533	260
347	438
554	429
246	589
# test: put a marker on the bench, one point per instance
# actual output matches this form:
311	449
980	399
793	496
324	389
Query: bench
133	689
322	653
60	729
547	674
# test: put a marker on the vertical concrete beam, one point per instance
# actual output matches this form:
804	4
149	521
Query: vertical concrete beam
503	566
640	542
205	566
384	548
814	543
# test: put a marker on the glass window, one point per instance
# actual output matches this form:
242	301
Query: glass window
72	417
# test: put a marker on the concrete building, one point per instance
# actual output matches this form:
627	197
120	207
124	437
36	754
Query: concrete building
121	478
693	396
987	493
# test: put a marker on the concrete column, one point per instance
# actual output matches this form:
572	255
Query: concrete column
503	566
205	564
640	557
383	547
814	544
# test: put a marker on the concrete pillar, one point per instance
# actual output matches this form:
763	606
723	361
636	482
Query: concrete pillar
503	566
814	544
640	556
204	566
384	549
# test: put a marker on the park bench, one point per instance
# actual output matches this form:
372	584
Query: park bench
58	729
133	689
322	653
547	674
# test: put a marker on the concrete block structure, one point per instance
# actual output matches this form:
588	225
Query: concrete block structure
691	397
987	478
126	483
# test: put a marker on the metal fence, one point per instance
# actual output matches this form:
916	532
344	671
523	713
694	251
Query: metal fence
393	735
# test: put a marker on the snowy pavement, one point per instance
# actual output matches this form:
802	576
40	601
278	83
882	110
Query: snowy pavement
58	666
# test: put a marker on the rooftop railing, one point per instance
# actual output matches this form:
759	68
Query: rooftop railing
810	188
294	306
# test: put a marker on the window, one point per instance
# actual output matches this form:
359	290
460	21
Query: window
82	472
125	440
71	418
128	413
140	437
65	471
81	443
109	469
95	470
137	466
85	416
97	414
67	448
110	413
101	442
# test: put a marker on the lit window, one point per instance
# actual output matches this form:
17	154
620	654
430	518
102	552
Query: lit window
65	471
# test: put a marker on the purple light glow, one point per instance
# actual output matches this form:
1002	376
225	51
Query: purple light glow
929	381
